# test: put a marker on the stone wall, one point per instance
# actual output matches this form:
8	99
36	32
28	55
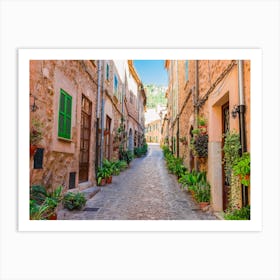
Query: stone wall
153	131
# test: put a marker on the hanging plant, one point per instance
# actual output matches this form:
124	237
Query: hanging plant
201	145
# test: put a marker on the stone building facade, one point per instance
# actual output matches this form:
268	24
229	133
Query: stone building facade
80	105
65	96
124	105
153	131
208	89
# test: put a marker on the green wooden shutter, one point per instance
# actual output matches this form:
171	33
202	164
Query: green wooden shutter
65	115
107	72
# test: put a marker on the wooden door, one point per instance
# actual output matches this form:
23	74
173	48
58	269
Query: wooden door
85	140
226	179
107	138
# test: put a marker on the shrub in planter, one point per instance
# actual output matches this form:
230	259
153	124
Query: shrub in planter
123	165
127	156
202	192
101	176
238	214
73	201
192	179
116	167
38	194
43	204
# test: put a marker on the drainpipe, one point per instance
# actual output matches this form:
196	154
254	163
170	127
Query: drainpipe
242	131
102	118
241	107
177	105
178	135
196	108
97	113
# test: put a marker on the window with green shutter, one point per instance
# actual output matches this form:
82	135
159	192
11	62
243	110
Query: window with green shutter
65	115
107	72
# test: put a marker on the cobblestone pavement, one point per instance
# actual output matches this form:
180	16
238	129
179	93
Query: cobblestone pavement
145	191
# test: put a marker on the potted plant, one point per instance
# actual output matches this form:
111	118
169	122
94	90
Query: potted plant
202	194
183	140
123	165
108	170
202	125
36	211
36	135
241	168
73	201
43	204
116	167
101	179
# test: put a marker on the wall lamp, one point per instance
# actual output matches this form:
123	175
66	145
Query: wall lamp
235	111
33	107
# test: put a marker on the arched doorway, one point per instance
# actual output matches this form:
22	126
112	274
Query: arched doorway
130	140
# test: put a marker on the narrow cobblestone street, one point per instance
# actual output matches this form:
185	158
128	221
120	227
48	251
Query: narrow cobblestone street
145	191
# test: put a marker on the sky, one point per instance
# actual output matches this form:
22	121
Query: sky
151	71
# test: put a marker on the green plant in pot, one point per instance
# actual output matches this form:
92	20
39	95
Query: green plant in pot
202	125
101	176
37	211
43	204
202	194
73	201
241	168
183	140
116	167
108	170
123	165
238	214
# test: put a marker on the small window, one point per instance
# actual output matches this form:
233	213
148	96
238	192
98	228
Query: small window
107	72
65	115
115	85
187	70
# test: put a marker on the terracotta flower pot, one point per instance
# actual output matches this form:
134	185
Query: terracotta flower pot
109	180
53	216
103	182
202	205
203	129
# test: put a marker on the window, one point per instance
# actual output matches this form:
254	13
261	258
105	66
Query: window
65	115
107	71
187	70
115	85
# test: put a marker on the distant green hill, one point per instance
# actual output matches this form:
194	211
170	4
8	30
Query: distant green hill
155	96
